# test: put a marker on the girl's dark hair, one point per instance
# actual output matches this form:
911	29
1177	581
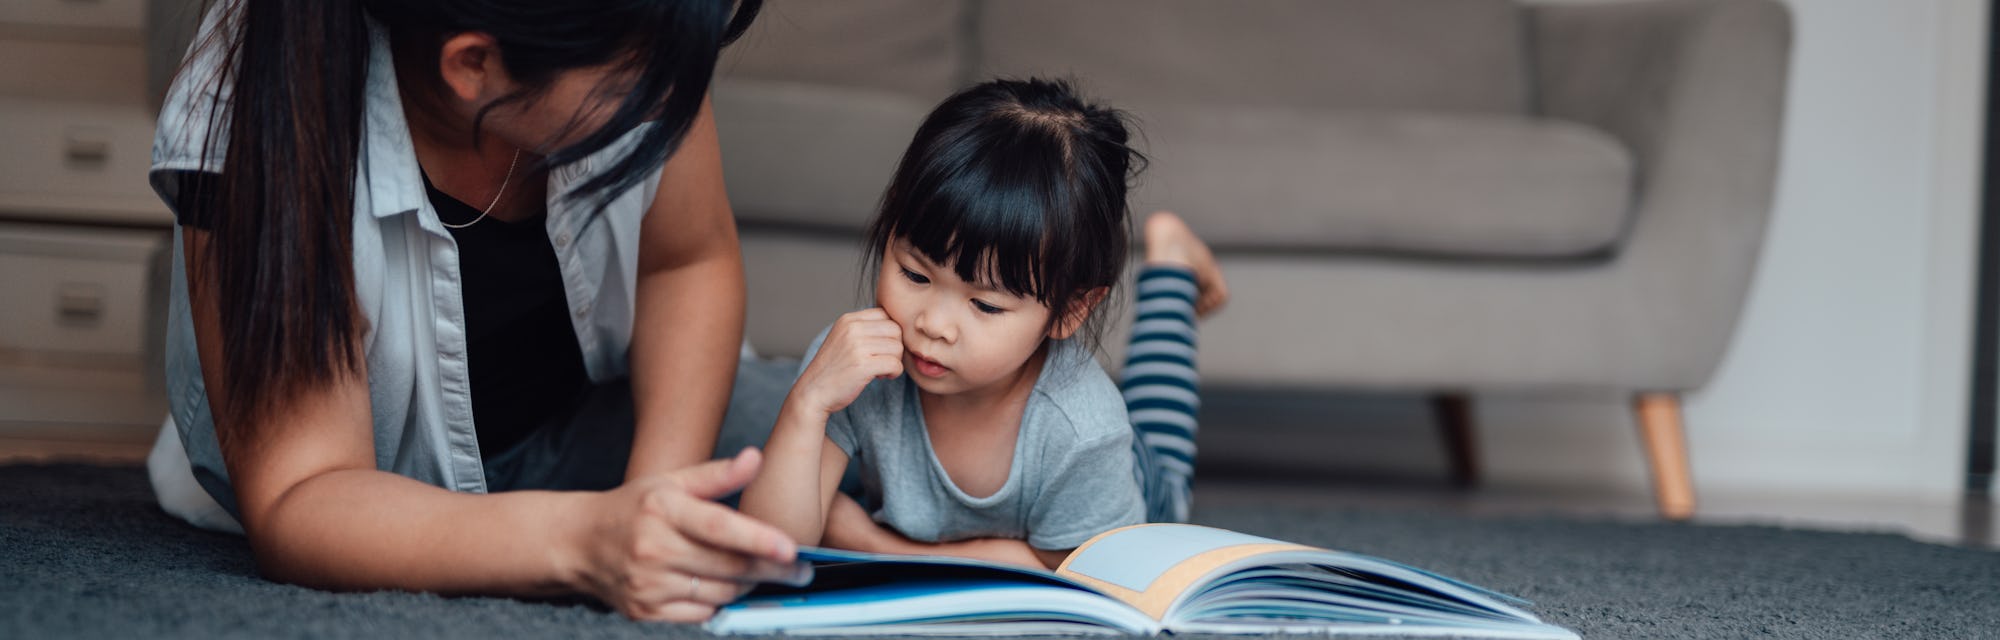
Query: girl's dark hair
281	213
1022	182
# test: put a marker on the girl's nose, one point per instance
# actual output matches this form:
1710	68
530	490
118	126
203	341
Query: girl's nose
933	325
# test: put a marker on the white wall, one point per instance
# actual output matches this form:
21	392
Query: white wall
1848	374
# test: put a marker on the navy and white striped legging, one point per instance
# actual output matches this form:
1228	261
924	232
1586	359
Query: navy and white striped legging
1162	389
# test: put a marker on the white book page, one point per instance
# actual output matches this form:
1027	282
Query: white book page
937	608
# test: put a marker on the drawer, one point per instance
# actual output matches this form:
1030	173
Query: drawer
79	293
108	72
84	14
77	161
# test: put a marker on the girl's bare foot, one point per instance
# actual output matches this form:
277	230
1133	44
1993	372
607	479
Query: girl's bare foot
1170	241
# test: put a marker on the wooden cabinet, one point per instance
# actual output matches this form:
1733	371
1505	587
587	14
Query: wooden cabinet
83	241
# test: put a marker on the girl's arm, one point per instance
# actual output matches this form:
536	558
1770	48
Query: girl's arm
849	527
688	321
798	484
318	513
797	488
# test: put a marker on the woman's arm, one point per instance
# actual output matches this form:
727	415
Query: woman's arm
318	513
848	526
688	323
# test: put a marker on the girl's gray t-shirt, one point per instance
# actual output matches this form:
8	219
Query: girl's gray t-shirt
1073	473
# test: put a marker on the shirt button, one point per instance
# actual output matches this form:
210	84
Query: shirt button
582	310
562	240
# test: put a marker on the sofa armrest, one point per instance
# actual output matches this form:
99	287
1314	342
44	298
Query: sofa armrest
1696	90
1677	80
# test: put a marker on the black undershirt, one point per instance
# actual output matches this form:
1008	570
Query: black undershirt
521	349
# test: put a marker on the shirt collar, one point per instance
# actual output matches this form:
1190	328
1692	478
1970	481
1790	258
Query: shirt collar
389	159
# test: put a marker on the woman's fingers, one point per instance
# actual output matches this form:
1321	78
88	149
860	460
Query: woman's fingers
700	575
674	586
726	530
685	611
684	580
693	558
712	479
676	555
793	574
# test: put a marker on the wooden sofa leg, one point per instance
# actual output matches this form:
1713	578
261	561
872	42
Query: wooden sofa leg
1666	450
1454	416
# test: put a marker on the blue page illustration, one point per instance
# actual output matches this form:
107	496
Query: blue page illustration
1134	558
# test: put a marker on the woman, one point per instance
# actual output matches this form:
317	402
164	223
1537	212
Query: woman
417	241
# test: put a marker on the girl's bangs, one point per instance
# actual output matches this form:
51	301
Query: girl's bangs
988	221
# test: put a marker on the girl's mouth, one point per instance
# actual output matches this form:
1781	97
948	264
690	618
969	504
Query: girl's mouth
927	367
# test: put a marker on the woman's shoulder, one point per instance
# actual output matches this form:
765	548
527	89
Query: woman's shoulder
193	127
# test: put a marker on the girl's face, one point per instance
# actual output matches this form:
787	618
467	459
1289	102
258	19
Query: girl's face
958	336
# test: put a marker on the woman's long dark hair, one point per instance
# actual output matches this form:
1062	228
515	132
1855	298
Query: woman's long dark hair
281	214
1022	181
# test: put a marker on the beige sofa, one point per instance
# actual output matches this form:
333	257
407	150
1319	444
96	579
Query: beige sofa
1441	196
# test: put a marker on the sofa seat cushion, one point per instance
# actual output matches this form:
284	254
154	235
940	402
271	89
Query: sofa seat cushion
1424	183
811	155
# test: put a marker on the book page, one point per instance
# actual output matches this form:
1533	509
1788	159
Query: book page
946	607
1149	565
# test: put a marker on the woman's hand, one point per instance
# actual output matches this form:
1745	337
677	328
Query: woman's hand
661	549
862	347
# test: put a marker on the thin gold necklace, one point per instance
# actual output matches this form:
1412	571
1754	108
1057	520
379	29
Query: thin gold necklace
496	194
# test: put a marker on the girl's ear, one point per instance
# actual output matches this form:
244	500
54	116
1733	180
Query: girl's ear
1078	312
470	65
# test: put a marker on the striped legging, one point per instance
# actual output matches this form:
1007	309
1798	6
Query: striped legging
1162	389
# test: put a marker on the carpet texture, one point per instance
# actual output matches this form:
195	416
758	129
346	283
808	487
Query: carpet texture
85	553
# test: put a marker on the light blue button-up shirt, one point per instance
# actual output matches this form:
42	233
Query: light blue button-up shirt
406	281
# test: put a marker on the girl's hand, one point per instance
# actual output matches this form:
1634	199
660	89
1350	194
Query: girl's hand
862	347
848	526
661	549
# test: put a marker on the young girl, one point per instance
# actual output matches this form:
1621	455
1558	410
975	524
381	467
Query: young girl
981	425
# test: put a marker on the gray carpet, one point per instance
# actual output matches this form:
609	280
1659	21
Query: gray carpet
87	554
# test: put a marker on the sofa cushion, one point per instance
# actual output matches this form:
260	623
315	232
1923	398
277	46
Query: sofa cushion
1439	55
913	47
810	154
1477	186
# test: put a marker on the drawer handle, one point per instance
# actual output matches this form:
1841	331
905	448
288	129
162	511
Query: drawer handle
79	304
87	146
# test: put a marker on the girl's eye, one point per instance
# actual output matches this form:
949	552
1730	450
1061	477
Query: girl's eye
986	308
914	276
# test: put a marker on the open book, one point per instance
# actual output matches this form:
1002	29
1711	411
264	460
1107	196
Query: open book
1143	579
